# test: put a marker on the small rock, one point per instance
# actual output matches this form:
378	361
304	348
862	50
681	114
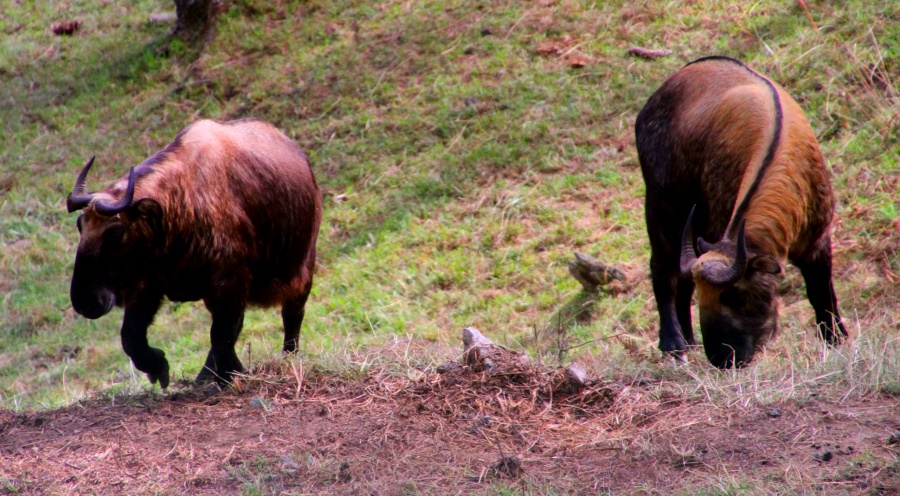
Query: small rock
447	367
486	32
576	375
289	463
894	438
257	402
484	421
344	474
774	412
508	466
825	457
470	101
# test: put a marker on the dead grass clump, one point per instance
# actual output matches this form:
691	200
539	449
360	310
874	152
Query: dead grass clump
565	49
367	425
493	380
512	386
507	466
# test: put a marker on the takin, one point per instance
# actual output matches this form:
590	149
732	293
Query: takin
728	154
228	213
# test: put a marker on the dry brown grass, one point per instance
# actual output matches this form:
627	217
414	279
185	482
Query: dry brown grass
387	423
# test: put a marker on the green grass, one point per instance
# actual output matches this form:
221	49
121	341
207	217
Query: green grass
472	167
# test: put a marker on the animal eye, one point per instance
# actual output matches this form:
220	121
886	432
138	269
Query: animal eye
730	297
78	222
112	237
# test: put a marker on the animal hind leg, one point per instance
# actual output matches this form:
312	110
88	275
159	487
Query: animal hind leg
292	312
816	272
222	361
294	308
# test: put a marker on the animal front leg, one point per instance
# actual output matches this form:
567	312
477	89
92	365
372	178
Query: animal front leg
151	361
683	293
671	340
820	290
222	361
673	295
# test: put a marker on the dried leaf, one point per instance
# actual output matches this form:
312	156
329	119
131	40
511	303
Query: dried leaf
646	53
66	28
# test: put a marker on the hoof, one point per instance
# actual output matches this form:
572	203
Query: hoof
680	356
674	347
207	376
160	369
220	369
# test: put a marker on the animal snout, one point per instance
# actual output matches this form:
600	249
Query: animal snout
95	305
726	356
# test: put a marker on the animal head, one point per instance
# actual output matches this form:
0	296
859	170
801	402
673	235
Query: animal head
736	289
115	232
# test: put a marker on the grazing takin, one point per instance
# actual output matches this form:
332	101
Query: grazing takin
228	213
728	154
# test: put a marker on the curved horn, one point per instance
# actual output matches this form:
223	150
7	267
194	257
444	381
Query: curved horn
688	255
718	276
78	199
108	208
703	245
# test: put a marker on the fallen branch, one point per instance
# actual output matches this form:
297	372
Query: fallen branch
592	273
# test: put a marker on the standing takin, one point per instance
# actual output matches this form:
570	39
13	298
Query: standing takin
228	213
728	154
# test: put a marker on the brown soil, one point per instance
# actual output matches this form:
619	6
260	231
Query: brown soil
516	425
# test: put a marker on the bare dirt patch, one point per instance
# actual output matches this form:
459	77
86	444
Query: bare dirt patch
469	429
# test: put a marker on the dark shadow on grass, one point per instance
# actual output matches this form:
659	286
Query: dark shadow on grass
85	74
557	335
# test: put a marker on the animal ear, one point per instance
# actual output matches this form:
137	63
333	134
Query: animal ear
765	264
147	208
148	213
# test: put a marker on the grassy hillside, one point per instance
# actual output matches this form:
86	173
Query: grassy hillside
465	149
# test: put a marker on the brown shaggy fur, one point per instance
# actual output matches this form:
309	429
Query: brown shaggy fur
730	120
726	139
228	213
219	195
